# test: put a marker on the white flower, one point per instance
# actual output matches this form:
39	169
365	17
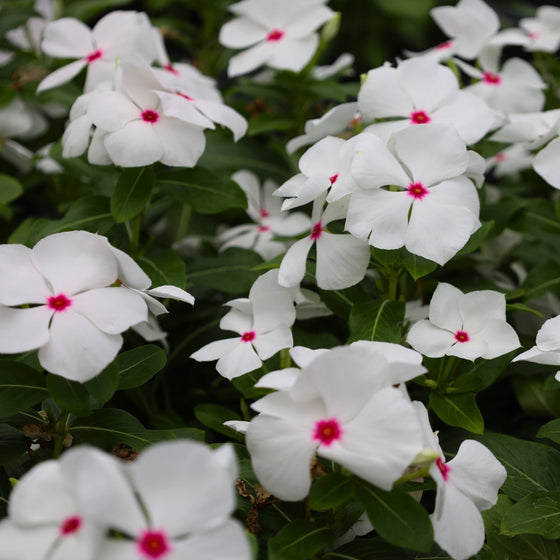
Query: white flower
76	317
543	30
45	519
279	34
510	160
466	485
546	163
428	163
263	321
269	220
342	407
118	35
342	260
174	501
547	347
468	326
421	91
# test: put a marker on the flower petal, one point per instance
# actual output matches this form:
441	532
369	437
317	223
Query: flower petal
61	76
182	142
136	144
172	292
67	38
430	340
22	330
242	359
292	267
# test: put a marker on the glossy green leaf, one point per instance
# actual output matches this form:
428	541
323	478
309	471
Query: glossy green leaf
132	193
417	266
377	320
534	398
103	386
538	514
164	267
20	387
213	416
531	467
299	540
458	410
13	444
477	238
330	491
397	517
69	395
205	191
139	365
480	375
551	430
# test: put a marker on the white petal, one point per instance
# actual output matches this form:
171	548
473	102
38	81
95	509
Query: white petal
269	343
272	304
97	153
500	337
182	143
546	163
429	339
292	268
548	337
111	110
61	76
38	541
342	261
111	310
281	455
134	145
130	273
444	307
293	54
215	349
537	356
172	292
250	59
67	38
224	115
76	137
22	330
240	33
75	261
188	492
242	359
77	350
20	281
183	109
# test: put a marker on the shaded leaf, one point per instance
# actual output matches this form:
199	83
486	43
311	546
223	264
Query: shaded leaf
139	365
299	540
20	387
458	410
10	188
69	395
330	491
377	320
132	193
537	513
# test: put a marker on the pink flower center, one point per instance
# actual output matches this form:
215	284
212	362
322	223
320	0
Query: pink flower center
491	78
419	117
150	116
70	525
500	157
327	431
248	336
534	35
275	35
262	229
333	179
59	302
443	469
170	68
462	336
446	45
95	55
417	191
263	213
153	544
317	231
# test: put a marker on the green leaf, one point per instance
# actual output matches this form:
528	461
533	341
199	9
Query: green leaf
480	375
531	467
520	547
534	398
377	320
108	427
69	395
164	267
369	549
417	266
103	386
265	123
458	410
299	540
477	238
10	188
13	444
86	10
132	193
213	416
231	271
550	430
330	491
20	387
397	517
138	365
541	279
206	192
537	513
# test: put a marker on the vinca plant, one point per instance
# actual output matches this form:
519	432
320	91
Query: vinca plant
279	280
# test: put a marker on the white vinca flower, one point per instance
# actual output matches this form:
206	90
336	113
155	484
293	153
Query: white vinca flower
269	221
174	501
468	326
466	485
413	191
263	322
342	406
420	91
342	260
45	519
281	35
547	347
118	35
543	30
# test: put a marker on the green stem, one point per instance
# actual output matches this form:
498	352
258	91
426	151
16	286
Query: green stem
285	359
393	286
420	473
450	366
